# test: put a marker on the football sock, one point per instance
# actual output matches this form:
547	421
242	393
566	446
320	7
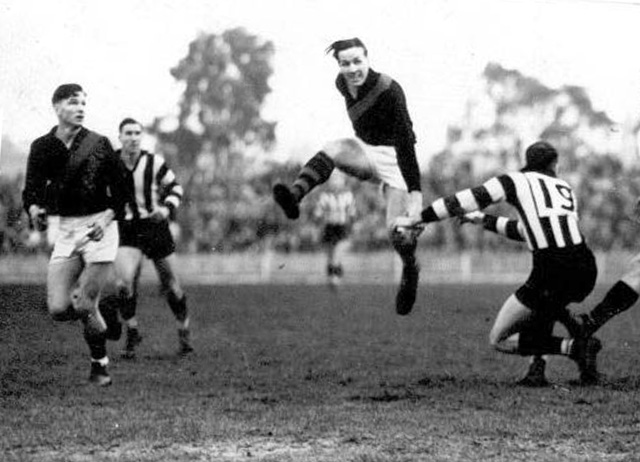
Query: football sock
104	361
529	345
565	346
315	172
620	298
178	307
128	306
97	345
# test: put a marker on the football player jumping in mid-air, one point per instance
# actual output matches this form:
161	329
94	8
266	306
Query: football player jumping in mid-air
382	151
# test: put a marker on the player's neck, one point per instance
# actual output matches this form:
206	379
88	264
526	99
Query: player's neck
67	133
131	157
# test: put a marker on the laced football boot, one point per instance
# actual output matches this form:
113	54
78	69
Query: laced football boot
535	376
99	375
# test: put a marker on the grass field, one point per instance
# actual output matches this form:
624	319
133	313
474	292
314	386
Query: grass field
298	373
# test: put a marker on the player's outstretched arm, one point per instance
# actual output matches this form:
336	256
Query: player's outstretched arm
507	227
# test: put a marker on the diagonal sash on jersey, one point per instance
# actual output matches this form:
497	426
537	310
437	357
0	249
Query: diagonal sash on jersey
356	111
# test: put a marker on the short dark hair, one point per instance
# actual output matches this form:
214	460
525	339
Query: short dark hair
66	91
539	156
340	45
127	121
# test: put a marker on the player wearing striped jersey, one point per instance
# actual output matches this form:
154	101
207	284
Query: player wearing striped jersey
564	268
336	209
145	232
382	151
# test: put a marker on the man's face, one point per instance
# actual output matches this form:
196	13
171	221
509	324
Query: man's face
70	111
130	137
354	65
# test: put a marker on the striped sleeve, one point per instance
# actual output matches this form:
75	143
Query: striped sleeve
168	183
465	201
507	227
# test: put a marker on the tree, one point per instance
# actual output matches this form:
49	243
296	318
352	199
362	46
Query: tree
225	79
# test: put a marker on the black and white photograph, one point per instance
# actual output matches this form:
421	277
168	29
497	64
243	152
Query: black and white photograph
319	231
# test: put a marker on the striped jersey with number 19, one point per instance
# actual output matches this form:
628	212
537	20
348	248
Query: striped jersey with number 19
154	185
546	206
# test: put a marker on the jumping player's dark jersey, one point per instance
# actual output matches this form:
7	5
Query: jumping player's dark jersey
546	206
380	117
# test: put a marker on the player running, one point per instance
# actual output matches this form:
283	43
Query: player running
564	268
144	232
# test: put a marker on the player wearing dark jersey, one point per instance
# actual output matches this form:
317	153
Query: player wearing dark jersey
382	151
564	268
73	173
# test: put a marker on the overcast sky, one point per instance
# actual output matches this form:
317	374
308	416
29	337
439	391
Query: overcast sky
121	52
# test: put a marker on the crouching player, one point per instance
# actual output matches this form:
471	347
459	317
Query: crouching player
564	268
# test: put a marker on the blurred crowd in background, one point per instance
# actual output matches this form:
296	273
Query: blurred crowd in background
219	146
214	219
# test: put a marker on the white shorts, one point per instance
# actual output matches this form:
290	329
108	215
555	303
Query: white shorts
384	163
70	234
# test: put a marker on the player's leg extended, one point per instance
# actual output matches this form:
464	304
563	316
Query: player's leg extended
176	298
128	266
622	296
405	243
346	154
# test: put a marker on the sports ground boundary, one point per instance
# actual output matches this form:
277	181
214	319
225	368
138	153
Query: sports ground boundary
309	268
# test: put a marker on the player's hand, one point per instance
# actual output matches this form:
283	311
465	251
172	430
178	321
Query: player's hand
96	230
414	206
407	222
38	217
475	218
160	214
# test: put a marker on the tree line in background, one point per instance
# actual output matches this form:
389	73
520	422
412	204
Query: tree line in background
219	147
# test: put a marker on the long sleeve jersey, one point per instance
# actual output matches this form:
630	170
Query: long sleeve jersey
546	207
81	180
154	184
380	117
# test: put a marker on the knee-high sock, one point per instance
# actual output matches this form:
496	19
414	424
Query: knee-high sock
315	172
178	306
128	307
620	298
537	339
97	345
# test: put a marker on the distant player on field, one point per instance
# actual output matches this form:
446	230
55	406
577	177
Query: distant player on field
382	151
336	208
564	268
144	232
